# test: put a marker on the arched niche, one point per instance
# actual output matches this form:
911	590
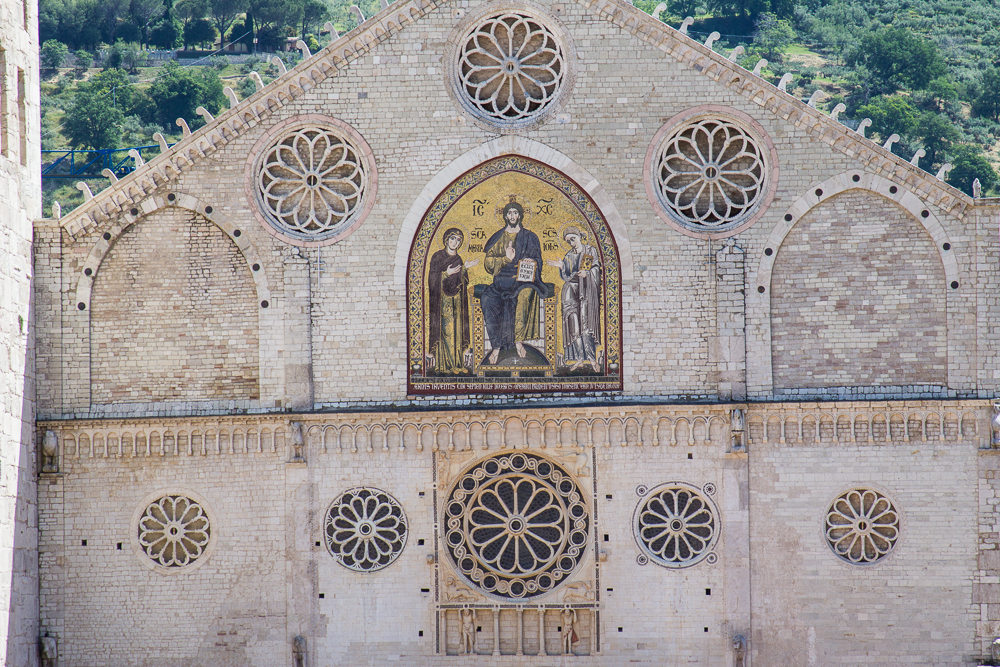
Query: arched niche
858	286
173	314
548	321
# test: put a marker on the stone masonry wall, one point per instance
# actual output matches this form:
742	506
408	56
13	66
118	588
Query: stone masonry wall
811	608
268	576
173	315
356	342
858	299
20	187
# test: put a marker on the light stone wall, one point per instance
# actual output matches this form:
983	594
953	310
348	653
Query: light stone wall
858	299
356	327
173	315
811	608
320	333
20	188
261	582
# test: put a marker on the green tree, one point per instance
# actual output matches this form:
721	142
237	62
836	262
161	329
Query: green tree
111	13
987	104
772	36
93	121
314	12
968	165
115	84
53	54
189	11
938	133
890	114
145	14
224	13
199	31
167	33
683	7
83	61
179	91
896	58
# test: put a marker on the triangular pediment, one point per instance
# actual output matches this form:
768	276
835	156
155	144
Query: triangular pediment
125	195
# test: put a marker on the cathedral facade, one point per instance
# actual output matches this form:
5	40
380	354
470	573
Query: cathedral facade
517	332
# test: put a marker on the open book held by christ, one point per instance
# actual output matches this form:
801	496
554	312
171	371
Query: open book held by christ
526	270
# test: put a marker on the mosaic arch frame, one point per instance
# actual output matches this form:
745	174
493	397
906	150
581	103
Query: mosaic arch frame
555	319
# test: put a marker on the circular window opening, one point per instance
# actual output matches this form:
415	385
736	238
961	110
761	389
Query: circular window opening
510	69
862	526
313	184
365	529
517	525
675	525
709	175
174	531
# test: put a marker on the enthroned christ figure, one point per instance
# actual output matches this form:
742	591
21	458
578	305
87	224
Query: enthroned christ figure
510	304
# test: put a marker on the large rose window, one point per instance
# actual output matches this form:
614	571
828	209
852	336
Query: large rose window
312	183
174	531
862	526
365	529
676	525
709	175
517	525
510	68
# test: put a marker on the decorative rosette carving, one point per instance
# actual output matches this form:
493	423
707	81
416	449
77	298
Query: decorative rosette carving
174	531
511	68
675	525
311	183
365	529
862	526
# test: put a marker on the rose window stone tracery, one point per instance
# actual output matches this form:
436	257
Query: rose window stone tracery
676	525
365	529
174	531
312	183
862	526
710	174
511	67
516	525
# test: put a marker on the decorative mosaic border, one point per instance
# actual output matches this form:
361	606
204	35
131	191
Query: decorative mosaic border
414	283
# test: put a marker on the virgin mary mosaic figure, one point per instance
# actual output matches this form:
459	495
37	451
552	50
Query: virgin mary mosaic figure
448	345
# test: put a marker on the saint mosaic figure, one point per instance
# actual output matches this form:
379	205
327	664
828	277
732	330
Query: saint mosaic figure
510	303
580	270
449	348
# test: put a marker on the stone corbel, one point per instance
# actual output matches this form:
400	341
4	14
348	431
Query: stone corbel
50	452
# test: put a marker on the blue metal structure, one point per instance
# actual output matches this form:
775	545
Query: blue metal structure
89	164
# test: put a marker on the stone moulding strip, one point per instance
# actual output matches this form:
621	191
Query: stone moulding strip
132	189
85	283
879	423
786	106
655	426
